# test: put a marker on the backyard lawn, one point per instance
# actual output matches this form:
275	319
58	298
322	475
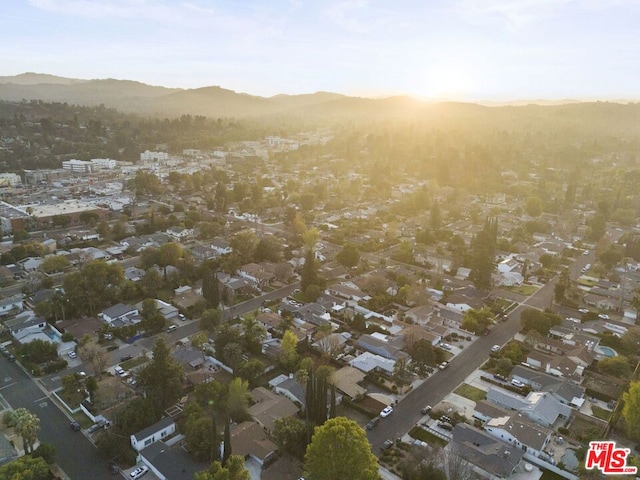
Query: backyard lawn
525	290
601	413
472	393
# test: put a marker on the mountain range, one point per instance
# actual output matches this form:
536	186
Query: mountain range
214	101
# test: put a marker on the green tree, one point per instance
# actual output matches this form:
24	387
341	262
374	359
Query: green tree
401	373
54	263
233	470
532	319
288	351
26	468
46	451
161	379
340	450
200	436
615	366
169	254
477	320
631	411
483	248
253	334
25	424
251	370
534	207
269	249
238	399
94	287
227	448
210	286
151	282
310	272
244	244
290	433
210	319
349	256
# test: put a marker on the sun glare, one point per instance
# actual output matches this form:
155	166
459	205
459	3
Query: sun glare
446	81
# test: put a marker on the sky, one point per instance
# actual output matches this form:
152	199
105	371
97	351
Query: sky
471	50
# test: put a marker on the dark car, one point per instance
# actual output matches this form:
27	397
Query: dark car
425	409
502	378
75	426
371	425
11	358
125	358
445	425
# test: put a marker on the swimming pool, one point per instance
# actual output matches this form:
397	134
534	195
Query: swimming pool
606	351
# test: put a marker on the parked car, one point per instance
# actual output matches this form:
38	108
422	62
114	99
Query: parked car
75	426
372	423
119	370
386	411
443	365
426	409
500	377
182	317
495	348
445	346
386	445
124	358
603	316
139	472
517	383
445	425
583	311
95	427
172	328
72	354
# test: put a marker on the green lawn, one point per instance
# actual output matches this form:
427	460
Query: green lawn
134	362
471	392
525	290
601	413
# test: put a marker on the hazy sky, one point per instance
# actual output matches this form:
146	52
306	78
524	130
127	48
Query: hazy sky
459	49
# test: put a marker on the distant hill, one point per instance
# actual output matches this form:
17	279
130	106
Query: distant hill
215	101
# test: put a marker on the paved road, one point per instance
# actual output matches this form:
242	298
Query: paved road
407	412
76	455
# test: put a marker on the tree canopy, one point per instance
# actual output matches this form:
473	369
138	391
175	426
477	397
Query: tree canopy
162	377
340	450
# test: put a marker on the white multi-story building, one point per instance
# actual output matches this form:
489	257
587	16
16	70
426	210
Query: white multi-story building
10	180
104	163
77	166
148	156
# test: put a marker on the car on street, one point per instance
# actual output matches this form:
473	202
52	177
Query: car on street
372	423
182	317
72	354
139	472
443	365
495	348
583	311
386	445
517	383
603	316
586	252
75	426
386	411
426	409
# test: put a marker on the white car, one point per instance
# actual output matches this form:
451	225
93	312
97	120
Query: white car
517	383
73	354
445	346
583	311
495	348
139	472
603	316
386	411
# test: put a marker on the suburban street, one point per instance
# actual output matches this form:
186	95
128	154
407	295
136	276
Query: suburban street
75	454
406	413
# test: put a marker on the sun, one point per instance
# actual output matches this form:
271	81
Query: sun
444	81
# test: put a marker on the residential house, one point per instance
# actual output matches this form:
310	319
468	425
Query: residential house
221	246
249	440
333	343
27	324
6	275
494	458
202	253
314	313
565	391
168	311
485	411
134	274
269	320
166	463
518	431
288	386
179	234
421	314
120	314
11	305
31	264
540	407
382	345
190	358
368	362
415	333
186	297
259	275
160	430
347	381
269	406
